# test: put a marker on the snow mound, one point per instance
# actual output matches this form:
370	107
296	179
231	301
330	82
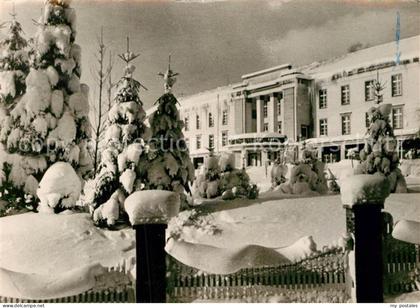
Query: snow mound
45	286
218	260
42	244
152	206
60	185
407	231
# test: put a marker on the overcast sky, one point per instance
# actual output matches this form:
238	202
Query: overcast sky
215	42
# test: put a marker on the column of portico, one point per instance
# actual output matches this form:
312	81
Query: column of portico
272	126
260	115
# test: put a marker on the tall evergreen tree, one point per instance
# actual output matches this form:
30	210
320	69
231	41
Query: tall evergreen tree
168	165
124	143
49	123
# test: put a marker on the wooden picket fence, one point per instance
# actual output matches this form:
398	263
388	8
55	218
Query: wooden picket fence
323	272
400	260
124	295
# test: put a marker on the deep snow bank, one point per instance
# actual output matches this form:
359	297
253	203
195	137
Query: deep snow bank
53	285
217	260
50	243
274	223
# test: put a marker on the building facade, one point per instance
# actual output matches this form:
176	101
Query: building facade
324	104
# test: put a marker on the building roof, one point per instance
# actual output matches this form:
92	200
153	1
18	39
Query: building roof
268	70
408	47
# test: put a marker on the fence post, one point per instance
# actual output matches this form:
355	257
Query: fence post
363	196
150	265
149	212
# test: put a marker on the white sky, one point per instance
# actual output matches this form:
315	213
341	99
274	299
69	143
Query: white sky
215	42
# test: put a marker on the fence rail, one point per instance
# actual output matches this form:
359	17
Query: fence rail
105	296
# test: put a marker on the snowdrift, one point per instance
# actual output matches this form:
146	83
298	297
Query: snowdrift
49	243
218	260
46	286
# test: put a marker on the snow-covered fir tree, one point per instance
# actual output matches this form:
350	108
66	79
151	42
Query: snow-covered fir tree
380	154
167	164
124	143
14	65
49	123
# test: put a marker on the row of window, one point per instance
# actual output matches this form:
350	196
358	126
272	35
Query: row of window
396	90
225	117
265	108
396	120
211	141
279	127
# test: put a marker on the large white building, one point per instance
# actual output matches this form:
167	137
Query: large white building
324	104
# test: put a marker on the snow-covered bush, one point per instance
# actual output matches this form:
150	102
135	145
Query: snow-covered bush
279	171
218	177
59	188
379	154
307	175
118	174
194	218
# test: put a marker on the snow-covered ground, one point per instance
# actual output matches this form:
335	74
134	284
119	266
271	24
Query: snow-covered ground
50	244
53	245
281	222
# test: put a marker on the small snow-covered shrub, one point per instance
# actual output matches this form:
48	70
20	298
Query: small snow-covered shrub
219	176
306	176
191	219
59	188
13	199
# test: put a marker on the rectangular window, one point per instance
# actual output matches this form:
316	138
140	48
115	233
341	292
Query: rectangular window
346	124
279	127
198	142
322	98
224	138
265	109
369	90
397	117
345	95
186	123
278	106
265	127
396	84
198	124
211	141
323	127
211	120
224	117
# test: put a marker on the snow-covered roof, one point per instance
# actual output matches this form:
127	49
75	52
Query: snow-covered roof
408	47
